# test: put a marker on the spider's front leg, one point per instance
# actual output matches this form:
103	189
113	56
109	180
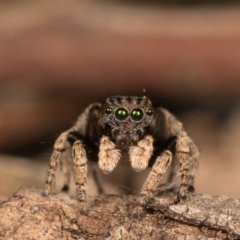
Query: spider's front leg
80	174
108	159
154	178
183	157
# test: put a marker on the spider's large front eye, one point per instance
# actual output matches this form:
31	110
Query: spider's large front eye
108	110
121	114
137	114
149	111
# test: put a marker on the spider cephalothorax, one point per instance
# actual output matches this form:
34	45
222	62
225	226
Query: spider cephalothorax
152	137
127	119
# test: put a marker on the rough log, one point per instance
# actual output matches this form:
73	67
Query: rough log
28	215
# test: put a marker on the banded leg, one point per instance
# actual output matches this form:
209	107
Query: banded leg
186	179
59	148
193	164
154	178
80	174
139	155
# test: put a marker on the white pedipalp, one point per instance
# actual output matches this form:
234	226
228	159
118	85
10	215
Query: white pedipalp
140	155
108	155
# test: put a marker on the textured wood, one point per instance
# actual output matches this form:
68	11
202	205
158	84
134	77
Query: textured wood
28	215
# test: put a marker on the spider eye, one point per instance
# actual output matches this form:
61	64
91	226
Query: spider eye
108	110
137	114
121	114
149	111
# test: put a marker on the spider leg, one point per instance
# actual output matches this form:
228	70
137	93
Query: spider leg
70	145
80	173
187	172
182	152
185	161
154	178
59	148
187	154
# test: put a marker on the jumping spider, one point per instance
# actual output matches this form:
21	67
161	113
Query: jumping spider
153	138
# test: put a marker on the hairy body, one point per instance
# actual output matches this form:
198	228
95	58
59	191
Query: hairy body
152	137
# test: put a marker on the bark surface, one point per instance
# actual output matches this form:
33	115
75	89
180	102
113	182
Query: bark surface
28	215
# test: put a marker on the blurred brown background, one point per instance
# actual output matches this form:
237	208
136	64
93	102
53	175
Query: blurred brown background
56	57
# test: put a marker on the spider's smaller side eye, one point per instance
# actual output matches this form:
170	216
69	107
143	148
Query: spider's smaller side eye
121	114
149	111
108	110
137	114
